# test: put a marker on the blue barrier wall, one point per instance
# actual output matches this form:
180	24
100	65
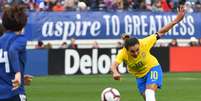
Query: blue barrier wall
37	62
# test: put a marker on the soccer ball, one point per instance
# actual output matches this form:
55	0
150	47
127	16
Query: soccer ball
110	94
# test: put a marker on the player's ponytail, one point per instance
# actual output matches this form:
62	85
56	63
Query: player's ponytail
125	37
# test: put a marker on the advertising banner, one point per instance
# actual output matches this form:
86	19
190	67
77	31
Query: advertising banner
90	61
185	59
93	61
107	25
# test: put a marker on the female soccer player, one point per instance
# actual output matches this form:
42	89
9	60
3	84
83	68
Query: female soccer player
143	65
12	55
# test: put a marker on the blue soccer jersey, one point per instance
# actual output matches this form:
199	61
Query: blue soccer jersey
12	60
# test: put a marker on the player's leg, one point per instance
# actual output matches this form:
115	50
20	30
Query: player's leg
141	85
150	92
143	95
143	88
153	82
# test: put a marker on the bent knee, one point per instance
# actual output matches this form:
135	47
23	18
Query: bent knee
152	87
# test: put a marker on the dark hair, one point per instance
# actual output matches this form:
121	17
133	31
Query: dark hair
125	36
2	29
14	18
40	43
130	42
182	2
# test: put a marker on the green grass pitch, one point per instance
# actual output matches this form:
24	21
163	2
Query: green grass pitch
176	87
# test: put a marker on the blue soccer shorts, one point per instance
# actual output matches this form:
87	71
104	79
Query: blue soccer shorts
154	76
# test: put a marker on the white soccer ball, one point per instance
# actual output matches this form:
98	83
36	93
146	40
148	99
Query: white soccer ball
110	94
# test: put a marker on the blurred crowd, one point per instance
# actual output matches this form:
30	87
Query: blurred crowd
193	42
120	44
130	5
72	45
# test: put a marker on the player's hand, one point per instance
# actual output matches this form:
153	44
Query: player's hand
27	79
116	76
17	81
181	14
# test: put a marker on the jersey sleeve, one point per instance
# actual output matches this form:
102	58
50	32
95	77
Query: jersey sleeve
14	57
120	56
149	41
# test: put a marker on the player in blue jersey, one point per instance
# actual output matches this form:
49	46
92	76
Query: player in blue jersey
13	54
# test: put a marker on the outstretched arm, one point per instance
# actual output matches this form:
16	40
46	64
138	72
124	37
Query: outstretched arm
179	17
116	75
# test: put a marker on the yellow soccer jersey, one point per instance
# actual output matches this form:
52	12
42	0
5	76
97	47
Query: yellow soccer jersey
141	65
